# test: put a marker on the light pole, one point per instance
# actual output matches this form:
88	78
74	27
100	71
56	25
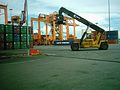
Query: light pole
109	13
28	44
10	13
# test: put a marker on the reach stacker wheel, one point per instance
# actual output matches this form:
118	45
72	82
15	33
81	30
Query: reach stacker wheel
104	46
75	46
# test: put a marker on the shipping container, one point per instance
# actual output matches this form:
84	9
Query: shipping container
16	29
9	29
16	45
23	38
112	35
23	29
16	37
30	30
9	37
8	45
23	45
31	37
31	44
2	46
2	37
1	28
112	41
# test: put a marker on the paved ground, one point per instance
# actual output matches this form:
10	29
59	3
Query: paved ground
62	69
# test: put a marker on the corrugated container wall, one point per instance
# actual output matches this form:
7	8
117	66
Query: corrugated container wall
2	28
2	36
2	46
9	29
17	37
9	36
112	37
23	37
31	37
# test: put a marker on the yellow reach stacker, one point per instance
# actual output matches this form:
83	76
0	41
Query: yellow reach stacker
84	42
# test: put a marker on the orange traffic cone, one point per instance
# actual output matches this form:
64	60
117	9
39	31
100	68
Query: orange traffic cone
34	52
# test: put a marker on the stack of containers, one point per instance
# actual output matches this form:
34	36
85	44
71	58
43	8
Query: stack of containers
16	37
112	37
30	37
23	37
9	37
2	36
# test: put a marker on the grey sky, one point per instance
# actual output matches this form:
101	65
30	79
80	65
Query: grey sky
93	10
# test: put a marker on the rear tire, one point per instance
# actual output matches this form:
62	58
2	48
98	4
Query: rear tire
104	46
75	46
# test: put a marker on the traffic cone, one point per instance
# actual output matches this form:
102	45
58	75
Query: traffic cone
34	52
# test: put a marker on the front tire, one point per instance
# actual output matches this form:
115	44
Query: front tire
104	46
75	46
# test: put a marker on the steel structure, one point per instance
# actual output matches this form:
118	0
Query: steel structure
20	19
5	12
55	29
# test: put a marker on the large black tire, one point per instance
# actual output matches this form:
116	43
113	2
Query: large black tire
75	46
104	46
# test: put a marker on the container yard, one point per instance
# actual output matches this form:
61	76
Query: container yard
15	37
59	48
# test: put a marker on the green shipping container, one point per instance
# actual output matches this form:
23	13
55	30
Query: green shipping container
16	37
1	37
1	28
9	29
16	29
30	30
9	45
31	37
16	45
2	45
31	44
23	30
23	45
23	37
9	37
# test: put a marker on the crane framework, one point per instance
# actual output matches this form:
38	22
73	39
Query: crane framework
5	12
55	28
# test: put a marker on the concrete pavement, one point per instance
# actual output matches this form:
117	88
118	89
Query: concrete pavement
62	69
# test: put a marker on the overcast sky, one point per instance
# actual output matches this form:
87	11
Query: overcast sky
95	11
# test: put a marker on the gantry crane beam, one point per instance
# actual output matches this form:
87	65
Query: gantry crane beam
51	19
5	12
